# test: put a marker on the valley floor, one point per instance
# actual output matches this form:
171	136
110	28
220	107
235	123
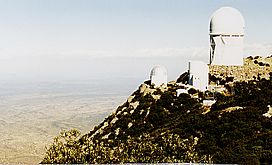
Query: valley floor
29	122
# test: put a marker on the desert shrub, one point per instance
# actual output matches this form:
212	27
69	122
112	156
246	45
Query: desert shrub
65	148
192	91
229	79
261	64
250	57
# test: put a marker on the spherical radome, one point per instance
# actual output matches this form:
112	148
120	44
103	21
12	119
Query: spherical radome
227	20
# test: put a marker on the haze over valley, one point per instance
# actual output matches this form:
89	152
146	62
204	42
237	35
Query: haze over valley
70	63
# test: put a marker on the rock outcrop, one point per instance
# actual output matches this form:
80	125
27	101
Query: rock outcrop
254	68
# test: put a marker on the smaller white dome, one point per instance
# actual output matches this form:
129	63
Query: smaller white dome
158	76
227	20
158	70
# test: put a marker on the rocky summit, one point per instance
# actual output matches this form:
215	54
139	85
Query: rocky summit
253	68
159	125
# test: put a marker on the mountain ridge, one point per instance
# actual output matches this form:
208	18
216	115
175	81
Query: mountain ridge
158	125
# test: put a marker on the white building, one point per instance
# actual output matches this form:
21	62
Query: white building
158	76
227	28
198	75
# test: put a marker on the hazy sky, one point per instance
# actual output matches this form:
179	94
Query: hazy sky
50	39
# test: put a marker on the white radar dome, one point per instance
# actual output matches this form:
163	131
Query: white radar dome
228	21
158	76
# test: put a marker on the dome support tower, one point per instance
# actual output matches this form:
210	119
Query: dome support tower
226	37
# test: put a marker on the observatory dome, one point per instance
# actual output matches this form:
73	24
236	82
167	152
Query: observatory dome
158	70
228	21
158	75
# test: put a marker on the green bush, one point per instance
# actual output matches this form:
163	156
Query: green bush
65	148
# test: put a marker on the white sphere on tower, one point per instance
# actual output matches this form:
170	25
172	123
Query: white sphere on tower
158	76
227	29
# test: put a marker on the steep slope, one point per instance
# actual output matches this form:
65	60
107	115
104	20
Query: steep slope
156	125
